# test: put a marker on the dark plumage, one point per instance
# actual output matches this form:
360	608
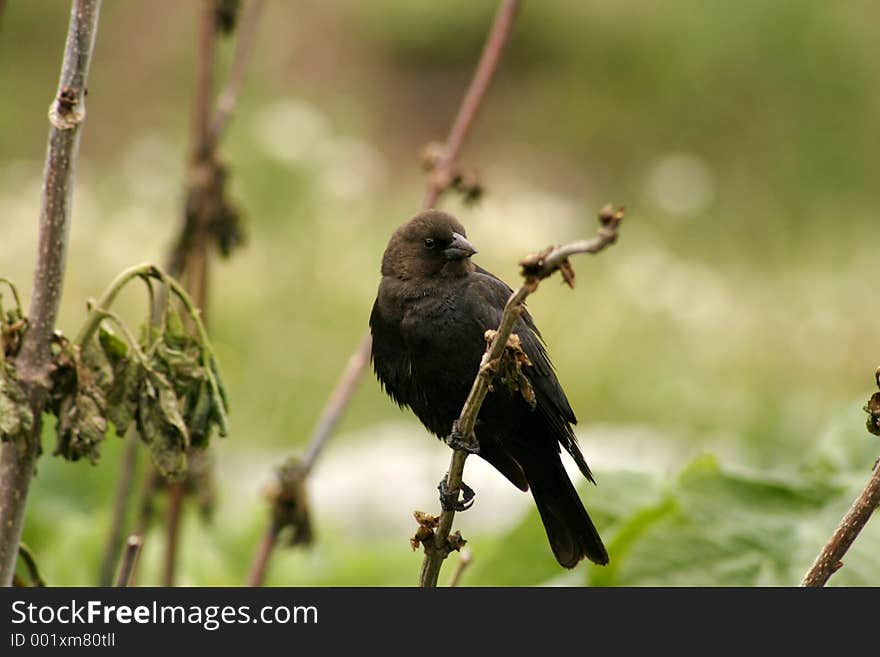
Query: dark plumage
428	321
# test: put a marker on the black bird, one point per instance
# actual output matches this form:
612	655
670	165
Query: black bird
428	323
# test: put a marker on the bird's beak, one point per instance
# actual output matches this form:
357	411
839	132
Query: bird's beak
459	248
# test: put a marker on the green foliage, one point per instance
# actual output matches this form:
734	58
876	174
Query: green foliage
712	525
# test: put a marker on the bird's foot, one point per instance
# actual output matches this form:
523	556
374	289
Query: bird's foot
449	498
457	440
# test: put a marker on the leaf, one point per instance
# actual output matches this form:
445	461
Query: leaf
81	427
124	395
80	401
161	425
16	417
115	348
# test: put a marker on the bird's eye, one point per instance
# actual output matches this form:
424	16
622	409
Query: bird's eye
429	243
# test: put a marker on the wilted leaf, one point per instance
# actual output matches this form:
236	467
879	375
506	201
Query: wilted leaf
81	425
161	425
124	396
16	417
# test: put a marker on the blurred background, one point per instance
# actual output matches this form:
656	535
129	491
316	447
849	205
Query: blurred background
717	357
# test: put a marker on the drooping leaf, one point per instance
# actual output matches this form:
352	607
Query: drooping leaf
16	417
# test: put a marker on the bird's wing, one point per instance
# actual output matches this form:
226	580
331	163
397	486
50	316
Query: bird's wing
552	402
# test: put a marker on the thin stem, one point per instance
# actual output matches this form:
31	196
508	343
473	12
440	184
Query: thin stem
535	268
465	559
338	400
121	500
829	560
31	565
13	289
246	33
257	575
129	560
66	115
172	529
106	300
441	176
204	79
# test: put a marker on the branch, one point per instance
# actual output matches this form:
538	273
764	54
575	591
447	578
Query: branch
66	114
228	98
129	560
31	565
337	402
443	171
257	575
534	269
830	559
120	507
464	560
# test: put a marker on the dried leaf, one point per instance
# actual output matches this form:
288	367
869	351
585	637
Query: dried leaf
161	425
16	417
873	411
124	395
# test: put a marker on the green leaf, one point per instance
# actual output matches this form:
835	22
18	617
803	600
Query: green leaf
115	348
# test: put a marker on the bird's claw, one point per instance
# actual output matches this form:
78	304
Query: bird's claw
457	440
449	498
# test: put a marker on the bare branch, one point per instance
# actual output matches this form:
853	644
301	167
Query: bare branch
129	560
120	508
465	559
442	174
228	98
176	492
66	115
257	575
534	269
830	559
31	564
337	402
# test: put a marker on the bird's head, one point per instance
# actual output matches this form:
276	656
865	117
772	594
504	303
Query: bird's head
430	245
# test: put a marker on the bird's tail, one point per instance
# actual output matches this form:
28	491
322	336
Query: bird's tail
571	533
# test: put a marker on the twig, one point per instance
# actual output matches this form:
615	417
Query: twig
442	173
534	269
830	558
337	402
176	492
66	114
228	98
204	78
288	499
465	559
31	564
257	575
208	215
121	500
129	560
